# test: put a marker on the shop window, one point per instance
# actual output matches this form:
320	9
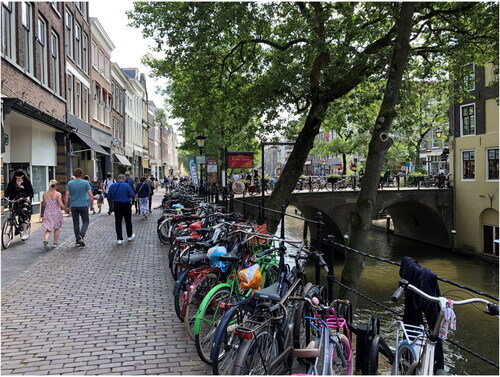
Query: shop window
468	165
39	181
492	164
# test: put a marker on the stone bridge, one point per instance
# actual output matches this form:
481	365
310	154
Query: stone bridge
425	215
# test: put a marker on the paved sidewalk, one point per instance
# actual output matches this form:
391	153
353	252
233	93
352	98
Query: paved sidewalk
101	309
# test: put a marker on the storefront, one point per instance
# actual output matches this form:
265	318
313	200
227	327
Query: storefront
87	155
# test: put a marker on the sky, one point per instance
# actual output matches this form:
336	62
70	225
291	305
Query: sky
128	41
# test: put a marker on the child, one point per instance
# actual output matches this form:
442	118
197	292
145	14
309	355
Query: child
100	200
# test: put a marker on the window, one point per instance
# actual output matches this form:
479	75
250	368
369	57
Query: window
490	239
85	114
101	63
492	155
54	66
78	44
78	102
85	53
468	119
42	40
468	165
38	181
69	34
27	14
7	29
469	77
70	98
95	100
106	68
82	7
95	62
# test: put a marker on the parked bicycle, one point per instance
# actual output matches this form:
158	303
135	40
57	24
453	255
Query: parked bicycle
416	346
12	225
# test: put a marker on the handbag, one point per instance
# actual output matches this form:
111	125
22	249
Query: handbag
136	197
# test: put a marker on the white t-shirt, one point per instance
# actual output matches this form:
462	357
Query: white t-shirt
107	184
236	177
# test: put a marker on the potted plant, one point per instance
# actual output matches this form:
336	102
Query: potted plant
332	178
416	177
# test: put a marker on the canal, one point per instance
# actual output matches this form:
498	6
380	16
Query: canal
475	330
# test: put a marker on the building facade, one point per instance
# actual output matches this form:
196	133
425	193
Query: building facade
475	123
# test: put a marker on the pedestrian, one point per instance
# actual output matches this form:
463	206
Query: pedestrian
100	200
52	215
142	194
77	190
91	205
156	183
122	194
20	187
107	183
149	181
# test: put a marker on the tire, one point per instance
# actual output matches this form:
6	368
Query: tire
7	233
196	296
174	260
209	318
272	275
336	365
302	330
255	355
162	231
406	357
180	293
226	343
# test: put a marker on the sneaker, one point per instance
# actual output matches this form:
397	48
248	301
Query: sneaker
145	216
109	212
131	238
119	242
24	236
80	242
46	245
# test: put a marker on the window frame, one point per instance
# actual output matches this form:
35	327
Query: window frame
70	97
95	56
462	159
462	107
85	52
78	44
469	78
488	150
54	57
8	30
27	31
78	99
85	105
69	31
43	56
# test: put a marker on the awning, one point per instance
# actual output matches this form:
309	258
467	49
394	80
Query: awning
89	141
122	159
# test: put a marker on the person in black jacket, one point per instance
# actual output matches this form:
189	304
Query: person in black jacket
19	187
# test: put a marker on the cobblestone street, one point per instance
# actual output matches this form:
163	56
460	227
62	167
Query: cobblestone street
101	309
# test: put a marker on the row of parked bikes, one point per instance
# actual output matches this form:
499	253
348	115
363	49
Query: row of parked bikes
242	296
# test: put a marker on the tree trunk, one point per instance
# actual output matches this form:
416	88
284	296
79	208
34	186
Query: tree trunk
293	167
378	147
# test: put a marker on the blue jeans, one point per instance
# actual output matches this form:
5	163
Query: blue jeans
76	213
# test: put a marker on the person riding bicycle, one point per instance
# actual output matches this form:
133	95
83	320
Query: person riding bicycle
20	187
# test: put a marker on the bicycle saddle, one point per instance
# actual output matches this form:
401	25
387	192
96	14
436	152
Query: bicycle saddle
194	258
229	258
310	352
269	293
204	244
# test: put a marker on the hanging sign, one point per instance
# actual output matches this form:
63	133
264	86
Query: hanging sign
192	170
212	171
236	160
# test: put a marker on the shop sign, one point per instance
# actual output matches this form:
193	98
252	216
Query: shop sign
240	160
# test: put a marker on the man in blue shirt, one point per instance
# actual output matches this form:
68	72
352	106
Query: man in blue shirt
121	194
78	189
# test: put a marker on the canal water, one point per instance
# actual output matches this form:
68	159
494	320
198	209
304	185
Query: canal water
475	330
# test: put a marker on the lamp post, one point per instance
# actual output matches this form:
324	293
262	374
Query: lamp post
428	161
200	140
439	133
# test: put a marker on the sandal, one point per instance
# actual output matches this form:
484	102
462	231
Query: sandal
46	245
55	244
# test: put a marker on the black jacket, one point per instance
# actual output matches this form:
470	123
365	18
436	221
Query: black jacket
14	192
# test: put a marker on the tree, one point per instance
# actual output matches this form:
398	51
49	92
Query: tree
264	60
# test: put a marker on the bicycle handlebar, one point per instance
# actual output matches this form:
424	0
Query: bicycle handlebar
403	284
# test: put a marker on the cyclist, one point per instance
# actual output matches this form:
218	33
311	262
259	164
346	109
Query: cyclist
20	187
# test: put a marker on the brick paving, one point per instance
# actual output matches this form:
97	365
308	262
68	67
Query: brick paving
101	309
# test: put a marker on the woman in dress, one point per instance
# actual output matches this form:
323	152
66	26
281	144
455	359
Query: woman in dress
52	215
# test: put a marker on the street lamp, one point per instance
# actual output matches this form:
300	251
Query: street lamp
428	161
200	140
439	133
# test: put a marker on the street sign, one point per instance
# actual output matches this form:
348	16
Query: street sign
211	165
238	187
201	160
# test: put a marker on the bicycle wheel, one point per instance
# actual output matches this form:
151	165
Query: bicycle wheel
7	233
209	316
341	351
406	357
195	296
226	342
302	329
180	293
256	355
162	231
272	275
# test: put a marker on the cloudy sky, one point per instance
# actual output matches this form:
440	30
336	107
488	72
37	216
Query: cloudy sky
128	41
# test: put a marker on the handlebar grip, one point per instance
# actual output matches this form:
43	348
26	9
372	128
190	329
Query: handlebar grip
397	294
322	263
493	309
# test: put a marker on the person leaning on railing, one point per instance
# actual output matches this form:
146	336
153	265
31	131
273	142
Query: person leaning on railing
20	187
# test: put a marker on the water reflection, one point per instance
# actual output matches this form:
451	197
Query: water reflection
475	330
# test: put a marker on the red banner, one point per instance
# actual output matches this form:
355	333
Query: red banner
236	161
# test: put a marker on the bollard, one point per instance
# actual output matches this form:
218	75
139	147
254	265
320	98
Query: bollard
330	262
231	201
319	217
397	179
244	206
261	216
388	225
304	231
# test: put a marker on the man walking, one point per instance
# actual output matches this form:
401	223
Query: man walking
121	194
77	190
150	183
107	184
